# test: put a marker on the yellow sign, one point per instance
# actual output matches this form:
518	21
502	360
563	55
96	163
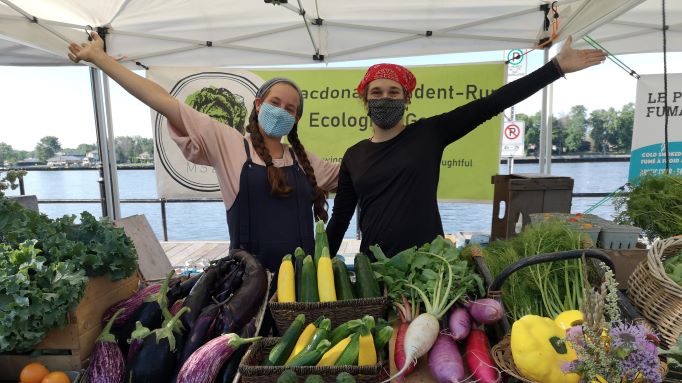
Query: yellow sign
334	119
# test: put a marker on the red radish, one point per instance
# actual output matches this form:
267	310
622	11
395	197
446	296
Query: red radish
479	360
405	313
106	362
460	323
205	363
486	310
424	329
445	361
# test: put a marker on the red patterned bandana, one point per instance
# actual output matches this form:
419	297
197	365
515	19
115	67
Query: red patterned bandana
394	72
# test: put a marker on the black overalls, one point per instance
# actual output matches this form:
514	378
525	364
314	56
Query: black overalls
267	226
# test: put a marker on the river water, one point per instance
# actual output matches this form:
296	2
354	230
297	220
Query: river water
206	221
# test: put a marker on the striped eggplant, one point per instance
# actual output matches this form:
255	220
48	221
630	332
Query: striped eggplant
106	361
204	364
130	305
229	370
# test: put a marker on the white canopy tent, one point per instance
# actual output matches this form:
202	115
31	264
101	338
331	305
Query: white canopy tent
230	33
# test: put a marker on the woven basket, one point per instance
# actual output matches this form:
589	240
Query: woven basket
501	353
251	370
657	296
338	312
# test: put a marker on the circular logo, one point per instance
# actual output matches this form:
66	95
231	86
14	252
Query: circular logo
515	57
512	131
225	97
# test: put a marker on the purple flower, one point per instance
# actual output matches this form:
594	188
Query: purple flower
633	346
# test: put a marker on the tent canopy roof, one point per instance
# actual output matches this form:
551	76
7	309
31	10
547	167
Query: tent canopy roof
268	32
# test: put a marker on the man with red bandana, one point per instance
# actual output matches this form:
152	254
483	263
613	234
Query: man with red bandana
393	176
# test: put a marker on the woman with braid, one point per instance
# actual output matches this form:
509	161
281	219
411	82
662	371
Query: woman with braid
272	192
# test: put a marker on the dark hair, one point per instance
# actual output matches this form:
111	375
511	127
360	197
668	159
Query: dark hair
276	177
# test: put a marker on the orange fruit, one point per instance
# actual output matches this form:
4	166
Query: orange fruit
33	373
56	377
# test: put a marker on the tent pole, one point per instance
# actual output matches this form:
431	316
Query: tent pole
546	125
113	173
98	108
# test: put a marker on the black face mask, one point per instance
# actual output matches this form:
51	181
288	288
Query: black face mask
386	112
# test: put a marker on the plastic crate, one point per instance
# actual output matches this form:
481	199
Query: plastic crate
587	224
613	236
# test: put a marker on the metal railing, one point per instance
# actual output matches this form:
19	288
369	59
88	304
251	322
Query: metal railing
164	201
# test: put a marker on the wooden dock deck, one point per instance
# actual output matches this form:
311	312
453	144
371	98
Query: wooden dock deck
195	253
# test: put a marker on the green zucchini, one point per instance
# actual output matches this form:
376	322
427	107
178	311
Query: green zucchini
280	353
299	255
310	358
288	376
321	241
344	289
321	333
342	332
381	339
368	286
309	283
345	377
314	379
349	356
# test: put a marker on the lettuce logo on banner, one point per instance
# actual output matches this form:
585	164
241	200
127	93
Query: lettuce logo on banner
225	97
648	155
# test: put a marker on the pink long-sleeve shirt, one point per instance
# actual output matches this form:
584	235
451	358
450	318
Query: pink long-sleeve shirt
212	143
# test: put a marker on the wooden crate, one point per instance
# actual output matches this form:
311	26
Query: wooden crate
76	339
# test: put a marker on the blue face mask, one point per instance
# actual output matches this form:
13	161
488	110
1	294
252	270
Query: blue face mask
276	122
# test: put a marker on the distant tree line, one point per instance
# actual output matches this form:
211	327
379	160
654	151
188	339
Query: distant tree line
128	150
602	131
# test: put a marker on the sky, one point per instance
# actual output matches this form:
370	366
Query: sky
40	101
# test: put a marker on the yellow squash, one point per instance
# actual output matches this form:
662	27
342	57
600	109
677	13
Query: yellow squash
538	350
568	319
286	283
303	340
368	354
325	278
332	355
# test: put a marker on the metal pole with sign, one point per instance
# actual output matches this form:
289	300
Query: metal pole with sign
513	135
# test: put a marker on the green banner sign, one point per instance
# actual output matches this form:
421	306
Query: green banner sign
334	118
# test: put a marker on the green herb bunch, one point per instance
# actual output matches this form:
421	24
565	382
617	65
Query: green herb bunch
653	203
546	289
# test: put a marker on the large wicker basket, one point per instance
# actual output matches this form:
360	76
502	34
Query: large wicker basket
501	352
251	370
658	297
338	312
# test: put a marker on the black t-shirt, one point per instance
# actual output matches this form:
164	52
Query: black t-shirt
395	182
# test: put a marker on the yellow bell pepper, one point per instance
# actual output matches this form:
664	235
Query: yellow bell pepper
538	351
568	319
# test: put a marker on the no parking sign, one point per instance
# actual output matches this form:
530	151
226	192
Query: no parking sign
513	139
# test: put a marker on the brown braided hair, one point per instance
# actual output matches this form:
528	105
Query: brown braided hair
276	177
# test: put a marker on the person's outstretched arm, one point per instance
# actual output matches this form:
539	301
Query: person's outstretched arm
147	91
457	123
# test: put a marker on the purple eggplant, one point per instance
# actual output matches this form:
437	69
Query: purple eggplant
199	334
200	295
182	289
151	315
135	340
204	364
245	302
156	358
106	361
131	305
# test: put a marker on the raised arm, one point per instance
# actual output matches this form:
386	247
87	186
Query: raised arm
459	122
143	89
